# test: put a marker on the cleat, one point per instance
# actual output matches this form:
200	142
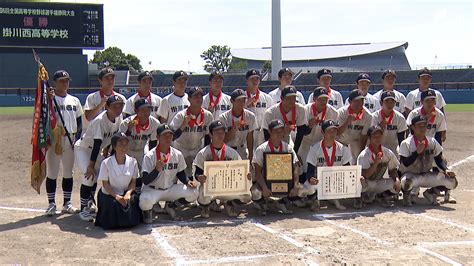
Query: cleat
387	201
51	210
91	206
300	203
314	206
338	205
229	209
431	197
261	207
157	208
169	210
282	208
357	203
86	216
205	210
407	199
215	207
148	216
68	208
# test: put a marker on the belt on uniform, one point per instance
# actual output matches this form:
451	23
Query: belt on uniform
156	188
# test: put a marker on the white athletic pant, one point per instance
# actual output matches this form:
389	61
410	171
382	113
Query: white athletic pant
189	155
258	138
66	158
83	157
356	149
430	179
307	189
207	200
378	186
151	196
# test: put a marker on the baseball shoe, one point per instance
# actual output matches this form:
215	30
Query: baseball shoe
338	205
157	208
148	216
205	210
448	198
387	201
314	206
51	210
407	199
368	198
282	208
68	208
215	207
86	216
91	206
431	197
357	203
171	211
230	210
300	203
261	207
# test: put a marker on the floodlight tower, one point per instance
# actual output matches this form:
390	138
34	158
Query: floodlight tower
276	39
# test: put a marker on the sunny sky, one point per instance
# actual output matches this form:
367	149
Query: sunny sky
173	33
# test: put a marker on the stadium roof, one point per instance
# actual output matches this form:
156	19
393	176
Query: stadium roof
316	52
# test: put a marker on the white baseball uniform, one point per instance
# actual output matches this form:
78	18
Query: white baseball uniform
172	104
94	99
222	106
335	98
153	99
249	124
276	96
370	102
295	117
264	102
399	100
413	99
395	124
435	124
205	154
351	136
379	181
70	109
165	186
191	139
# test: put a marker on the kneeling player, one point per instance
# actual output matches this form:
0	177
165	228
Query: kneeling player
217	151
260	192
417	154
375	160
162	167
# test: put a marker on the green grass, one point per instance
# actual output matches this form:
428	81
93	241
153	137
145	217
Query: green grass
28	110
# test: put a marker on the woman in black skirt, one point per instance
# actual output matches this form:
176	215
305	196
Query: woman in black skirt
117	201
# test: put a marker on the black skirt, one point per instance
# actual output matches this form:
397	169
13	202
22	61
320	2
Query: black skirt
112	215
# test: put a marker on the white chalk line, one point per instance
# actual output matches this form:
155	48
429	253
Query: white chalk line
239	258
20	209
447	243
437	255
469	158
171	251
444	221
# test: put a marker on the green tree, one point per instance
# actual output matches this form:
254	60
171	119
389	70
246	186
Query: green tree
267	66
217	58
114	57
237	65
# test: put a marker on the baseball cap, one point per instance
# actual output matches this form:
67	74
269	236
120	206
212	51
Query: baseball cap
355	95
61	74
288	90
320	92
363	76
193	90
106	72
237	94
324	72
418	119
373	129
145	74
282	71
142	103
424	72
164	128
252	73
428	94
216	74
216	125
179	74
389	72
114	99
387	95
117	137
329	124
276	123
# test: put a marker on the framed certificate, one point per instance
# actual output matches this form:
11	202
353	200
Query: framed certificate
226	178
278	172
339	182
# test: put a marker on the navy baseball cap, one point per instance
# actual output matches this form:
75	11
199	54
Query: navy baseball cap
145	74
61	74
355	95
428	94
252	73
215	74
142	103
418	119
164	128
320	92
374	129
237	94
216	125
324	72
363	76
424	72
117	137
193	90
288	90
179	74
275	124
389	72
282	71
106	72
388	95
329	124
114	99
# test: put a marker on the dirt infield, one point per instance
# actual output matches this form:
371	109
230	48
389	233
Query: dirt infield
373	235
